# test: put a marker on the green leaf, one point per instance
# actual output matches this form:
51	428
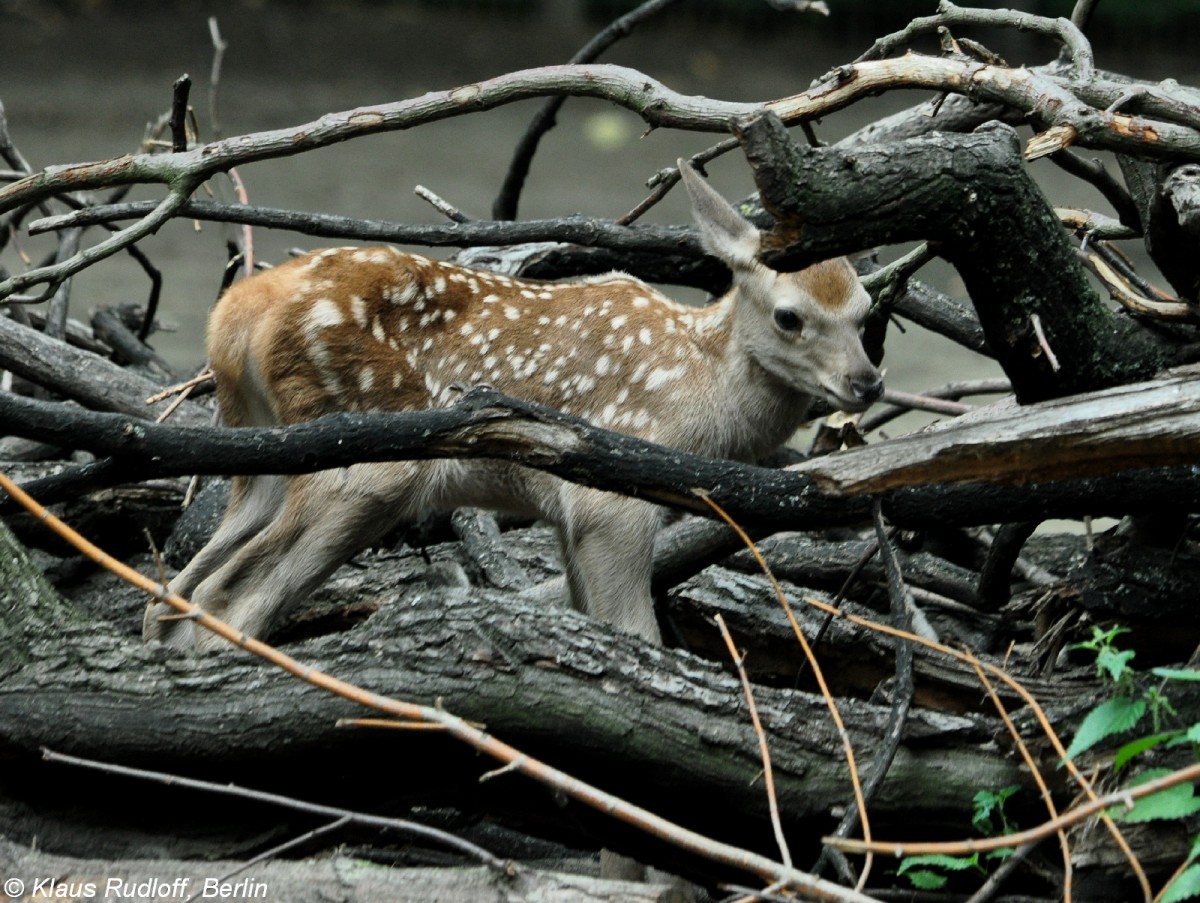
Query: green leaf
1177	673
1175	802
939	860
1139	746
1114	661
988	804
923	880
1113	717
1186	886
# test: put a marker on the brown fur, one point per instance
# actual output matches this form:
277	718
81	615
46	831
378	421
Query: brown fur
379	329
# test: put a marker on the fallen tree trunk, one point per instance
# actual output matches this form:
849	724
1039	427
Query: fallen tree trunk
1124	450
660	727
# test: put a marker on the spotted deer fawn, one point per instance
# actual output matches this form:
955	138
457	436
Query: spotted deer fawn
378	329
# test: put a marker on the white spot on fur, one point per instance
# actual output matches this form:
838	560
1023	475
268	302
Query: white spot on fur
366	380
511	312
660	376
619	321
323	314
603	365
404	294
358	310
644	335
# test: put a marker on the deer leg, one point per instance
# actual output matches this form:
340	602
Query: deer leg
608	550
326	518
253	503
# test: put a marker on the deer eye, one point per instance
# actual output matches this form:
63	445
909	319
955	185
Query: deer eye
788	320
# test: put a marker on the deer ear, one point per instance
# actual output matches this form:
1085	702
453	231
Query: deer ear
726	234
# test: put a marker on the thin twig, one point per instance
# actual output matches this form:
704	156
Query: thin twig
991	886
1034	771
390	724
1124	799
666	179
587	231
411	828
505	205
214	74
739	662
442	206
818	674
275	851
199	379
1072	39
925	403
179	107
1051	358
902	689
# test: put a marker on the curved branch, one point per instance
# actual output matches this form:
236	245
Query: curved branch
1064	30
580	230
1048	101
972	194
505	205
1039	460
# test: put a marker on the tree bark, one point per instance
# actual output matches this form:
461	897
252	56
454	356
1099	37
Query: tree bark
554	683
973	196
1000	463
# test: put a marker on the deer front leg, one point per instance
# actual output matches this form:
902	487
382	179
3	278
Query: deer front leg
608	552
326	518
253	503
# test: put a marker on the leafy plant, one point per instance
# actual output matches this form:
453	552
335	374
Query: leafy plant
919	870
1122	713
1186	884
988	818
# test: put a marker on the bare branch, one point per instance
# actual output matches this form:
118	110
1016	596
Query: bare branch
402	825
948	14
505	205
1049	101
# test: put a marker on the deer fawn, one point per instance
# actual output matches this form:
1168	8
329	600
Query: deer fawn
379	329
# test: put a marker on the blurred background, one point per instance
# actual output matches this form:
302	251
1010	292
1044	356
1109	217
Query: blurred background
81	80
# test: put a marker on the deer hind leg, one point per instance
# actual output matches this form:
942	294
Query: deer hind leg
325	519
254	502
608	552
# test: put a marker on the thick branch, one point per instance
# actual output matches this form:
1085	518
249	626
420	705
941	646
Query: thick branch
977	469
973	195
87	378
578	230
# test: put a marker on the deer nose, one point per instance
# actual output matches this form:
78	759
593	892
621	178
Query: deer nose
867	387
